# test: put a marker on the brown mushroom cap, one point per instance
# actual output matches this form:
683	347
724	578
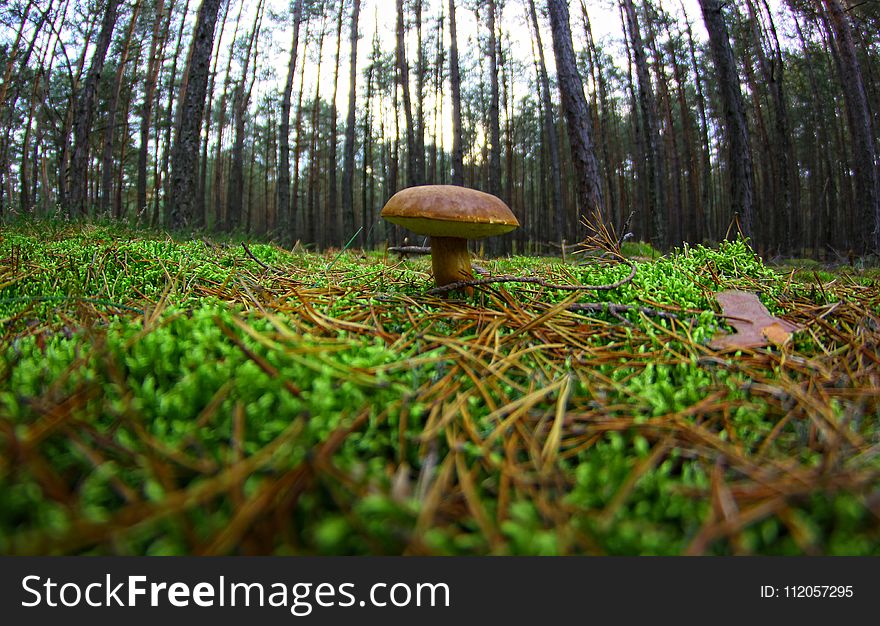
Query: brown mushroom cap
449	211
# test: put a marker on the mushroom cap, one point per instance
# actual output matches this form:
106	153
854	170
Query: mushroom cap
449	211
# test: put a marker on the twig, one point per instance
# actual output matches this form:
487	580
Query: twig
624	232
405	250
255	259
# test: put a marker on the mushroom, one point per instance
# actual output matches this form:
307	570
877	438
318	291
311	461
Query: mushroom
449	215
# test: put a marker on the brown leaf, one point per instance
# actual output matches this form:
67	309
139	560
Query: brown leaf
754	325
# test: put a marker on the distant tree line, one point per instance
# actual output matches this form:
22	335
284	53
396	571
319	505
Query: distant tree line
142	111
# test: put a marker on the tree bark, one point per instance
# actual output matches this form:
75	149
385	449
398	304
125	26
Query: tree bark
549	130
651	126
84	113
191	106
494	113
412	167
421	71
580	131
348	149
157	45
112	107
163	178
202	195
864	155
240	100
284	217
455	85
735	129
331	228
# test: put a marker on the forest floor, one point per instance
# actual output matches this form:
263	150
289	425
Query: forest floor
165	396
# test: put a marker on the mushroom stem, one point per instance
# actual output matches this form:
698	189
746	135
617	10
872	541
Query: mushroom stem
451	260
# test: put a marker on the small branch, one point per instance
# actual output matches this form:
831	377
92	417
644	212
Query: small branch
624	232
405	250
506	278
255	259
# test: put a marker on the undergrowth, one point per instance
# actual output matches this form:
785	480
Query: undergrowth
162	396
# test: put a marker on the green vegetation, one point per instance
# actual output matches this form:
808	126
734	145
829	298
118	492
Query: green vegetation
181	397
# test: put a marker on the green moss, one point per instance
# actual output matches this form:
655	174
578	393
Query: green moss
143	367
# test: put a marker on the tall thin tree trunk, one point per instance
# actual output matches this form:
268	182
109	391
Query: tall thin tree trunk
552	137
202	206
789	173
577	113
240	100
421	71
455	85
112	106
349	148
494	119
283	192
159	36
735	127
188	123
218	198
331	228
162	178
864	154
412	173
311	214
366	213
705	209
296	218
607	114
84	113
651	126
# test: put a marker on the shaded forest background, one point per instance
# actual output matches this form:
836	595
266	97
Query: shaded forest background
150	111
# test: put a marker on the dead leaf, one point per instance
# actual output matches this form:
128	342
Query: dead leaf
754	325
775	333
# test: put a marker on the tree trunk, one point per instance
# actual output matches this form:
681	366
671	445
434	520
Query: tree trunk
332	225
864	155
240	100
348	150
412	173
163	178
705	209
549	131
157	46
112	106
494	121
201	196
295	216
580	131
311	214
218	198
735	128
421	71
191	106
284	218
608	115
455	83
789	173
84	113
651	126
